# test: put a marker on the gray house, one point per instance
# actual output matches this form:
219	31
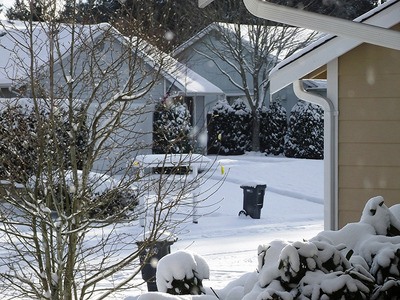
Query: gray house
215	52
97	66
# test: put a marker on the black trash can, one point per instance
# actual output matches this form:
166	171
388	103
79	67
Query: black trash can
253	200
149	257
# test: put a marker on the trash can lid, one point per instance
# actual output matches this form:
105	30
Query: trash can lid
253	183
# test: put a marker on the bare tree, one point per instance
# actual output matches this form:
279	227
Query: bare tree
71	184
244	54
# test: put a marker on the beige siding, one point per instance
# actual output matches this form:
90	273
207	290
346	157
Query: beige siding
369	129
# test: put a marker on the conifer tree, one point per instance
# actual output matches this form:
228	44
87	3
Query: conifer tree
273	127
25	11
305	137
241	128
218	129
229	129
172	128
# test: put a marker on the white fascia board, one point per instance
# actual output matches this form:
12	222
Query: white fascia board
204	3
308	62
326	49
292	16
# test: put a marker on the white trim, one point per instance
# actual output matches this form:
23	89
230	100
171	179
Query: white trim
204	3
330	106
333	96
329	145
328	48
296	17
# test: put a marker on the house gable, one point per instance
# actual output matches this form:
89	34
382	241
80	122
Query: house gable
197	54
203	52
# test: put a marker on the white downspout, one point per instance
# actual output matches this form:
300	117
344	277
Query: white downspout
330	205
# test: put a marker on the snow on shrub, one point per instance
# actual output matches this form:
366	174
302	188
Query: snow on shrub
273	127
20	137
359	261
229	128
240	140
181	273
217	121
172	128
305	137
164	296
107	196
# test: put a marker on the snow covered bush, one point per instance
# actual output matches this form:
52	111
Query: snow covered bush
182	273
164	296
305	137
359	261
217	121
273	127
106	196
172	128
19	141
117	203
242	126
229	128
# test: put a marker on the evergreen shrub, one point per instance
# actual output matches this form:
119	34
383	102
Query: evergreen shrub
229	128
305	136
273	127
172	128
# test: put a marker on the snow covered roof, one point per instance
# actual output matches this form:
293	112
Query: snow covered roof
15	56
294	35
329	47
15	48
188	80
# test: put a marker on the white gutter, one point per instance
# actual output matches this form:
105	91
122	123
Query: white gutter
330	116
296	17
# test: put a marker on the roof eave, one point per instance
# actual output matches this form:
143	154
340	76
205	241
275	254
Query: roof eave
326	49
204	3
305	64
361	32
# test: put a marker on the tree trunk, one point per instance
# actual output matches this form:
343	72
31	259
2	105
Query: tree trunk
255	137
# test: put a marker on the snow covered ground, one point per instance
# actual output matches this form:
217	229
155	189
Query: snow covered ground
293	211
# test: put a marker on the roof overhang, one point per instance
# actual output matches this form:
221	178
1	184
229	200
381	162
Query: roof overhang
344	35
296	17
353	30
311	61
204	3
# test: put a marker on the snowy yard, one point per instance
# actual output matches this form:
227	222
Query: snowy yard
285	254
293	210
